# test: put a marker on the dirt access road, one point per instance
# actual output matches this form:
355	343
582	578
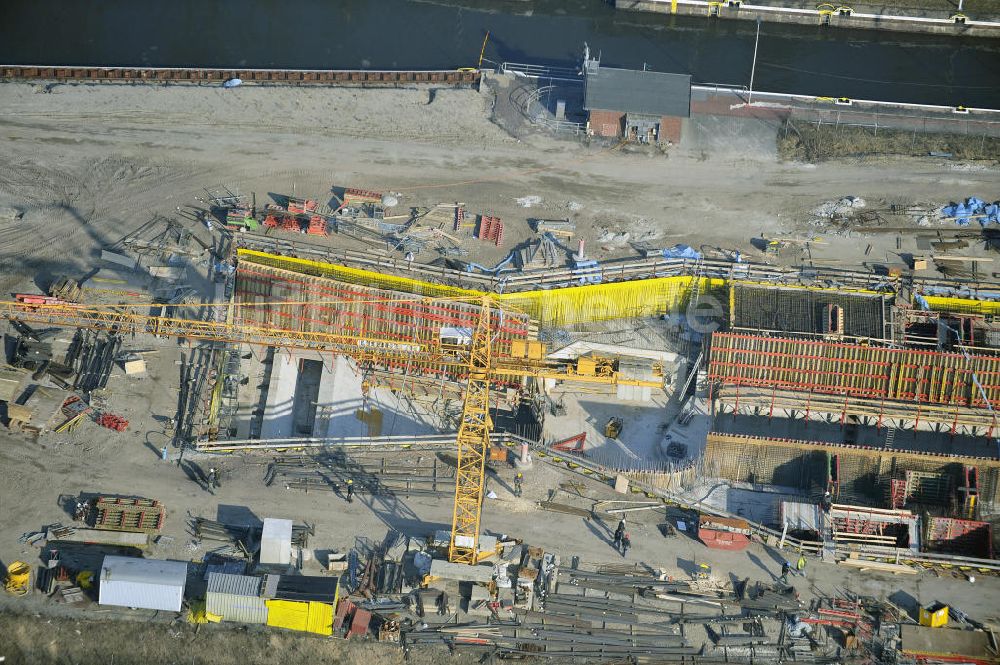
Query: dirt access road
88	163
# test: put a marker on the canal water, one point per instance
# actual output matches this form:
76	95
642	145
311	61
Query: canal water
447	34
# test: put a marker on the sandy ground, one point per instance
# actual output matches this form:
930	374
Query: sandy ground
87	164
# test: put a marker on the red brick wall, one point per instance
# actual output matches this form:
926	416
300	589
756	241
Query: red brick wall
670	129
606	123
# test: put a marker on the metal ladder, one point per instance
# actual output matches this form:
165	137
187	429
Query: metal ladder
890	436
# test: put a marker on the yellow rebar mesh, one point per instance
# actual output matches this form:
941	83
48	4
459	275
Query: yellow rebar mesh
616	300
561	306
575	304
356	275
962	305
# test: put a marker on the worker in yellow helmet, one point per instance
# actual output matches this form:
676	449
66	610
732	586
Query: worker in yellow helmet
518	479
350	491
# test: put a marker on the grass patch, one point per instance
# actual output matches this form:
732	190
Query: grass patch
811	143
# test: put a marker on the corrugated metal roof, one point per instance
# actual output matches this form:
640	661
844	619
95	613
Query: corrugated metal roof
237	585
147	583
271	585
637	91
145	595
146	571
232	607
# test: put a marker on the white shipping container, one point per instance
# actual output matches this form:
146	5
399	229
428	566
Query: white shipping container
142	583
276	542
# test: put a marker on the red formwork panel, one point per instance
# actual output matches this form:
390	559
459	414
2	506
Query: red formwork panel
955	536
336	307
723	540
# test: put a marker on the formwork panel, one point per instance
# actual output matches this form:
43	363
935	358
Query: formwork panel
550	307
861	370
862	471
955	536
326	305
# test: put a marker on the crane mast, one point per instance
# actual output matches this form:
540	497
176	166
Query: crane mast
473	445
474	362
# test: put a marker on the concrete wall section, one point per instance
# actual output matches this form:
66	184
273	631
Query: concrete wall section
342	411
278	413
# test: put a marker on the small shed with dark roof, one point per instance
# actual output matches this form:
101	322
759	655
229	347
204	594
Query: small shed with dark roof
638	104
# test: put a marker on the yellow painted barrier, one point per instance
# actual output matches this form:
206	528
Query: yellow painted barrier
310	617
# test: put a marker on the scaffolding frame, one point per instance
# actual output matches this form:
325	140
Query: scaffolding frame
869	380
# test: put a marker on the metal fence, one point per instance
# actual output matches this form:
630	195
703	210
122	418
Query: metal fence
525	70
538	113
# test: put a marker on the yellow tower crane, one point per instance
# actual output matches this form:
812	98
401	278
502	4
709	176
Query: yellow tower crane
474	362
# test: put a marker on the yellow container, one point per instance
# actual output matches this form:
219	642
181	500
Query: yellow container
310	617
18	578
934	616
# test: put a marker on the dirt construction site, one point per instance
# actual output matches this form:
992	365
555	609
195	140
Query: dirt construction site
340	374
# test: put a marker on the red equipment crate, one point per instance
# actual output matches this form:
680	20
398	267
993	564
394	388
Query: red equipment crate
317	226
111	421
491	228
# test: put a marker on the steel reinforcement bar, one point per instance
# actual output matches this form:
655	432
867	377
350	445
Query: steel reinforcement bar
207	75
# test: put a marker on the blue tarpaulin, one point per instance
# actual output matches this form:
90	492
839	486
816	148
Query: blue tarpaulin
495	270
681	252
963	212
587	271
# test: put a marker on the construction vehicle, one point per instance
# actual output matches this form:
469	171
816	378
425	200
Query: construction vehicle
613	428
471	360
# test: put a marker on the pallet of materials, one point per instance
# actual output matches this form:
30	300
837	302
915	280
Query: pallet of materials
124	514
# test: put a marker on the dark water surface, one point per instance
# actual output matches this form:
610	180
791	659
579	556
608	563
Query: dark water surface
446	34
